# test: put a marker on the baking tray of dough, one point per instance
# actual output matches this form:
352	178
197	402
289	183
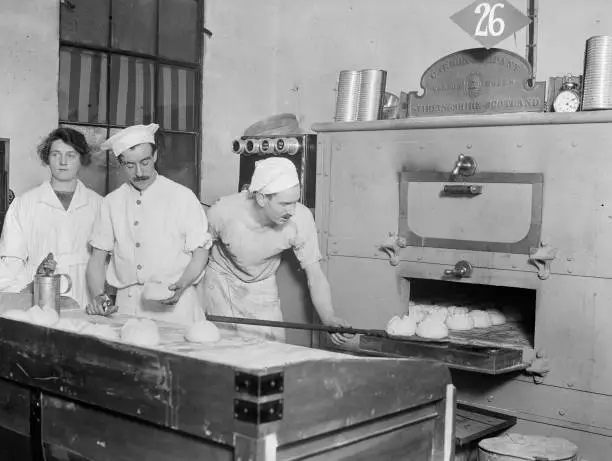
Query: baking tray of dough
511	335
419	339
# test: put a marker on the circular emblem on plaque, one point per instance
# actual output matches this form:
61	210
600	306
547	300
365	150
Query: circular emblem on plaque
474	84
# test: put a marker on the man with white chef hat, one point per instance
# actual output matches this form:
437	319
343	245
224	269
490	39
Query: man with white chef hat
155	232
250	231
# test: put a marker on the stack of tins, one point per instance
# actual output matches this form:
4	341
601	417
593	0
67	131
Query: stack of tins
513	447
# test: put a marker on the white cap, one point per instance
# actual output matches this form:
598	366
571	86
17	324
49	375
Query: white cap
273	175
130	137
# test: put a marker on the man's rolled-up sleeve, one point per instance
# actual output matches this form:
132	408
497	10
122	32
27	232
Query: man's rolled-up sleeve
102	236
196	232
306	243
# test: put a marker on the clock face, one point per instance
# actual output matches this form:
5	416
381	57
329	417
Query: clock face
566	101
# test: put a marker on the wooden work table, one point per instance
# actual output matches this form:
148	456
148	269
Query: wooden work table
240	398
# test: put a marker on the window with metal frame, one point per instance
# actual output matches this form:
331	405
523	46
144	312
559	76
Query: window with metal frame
125	62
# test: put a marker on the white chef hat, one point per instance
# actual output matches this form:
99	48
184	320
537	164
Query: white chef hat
130	137
273	175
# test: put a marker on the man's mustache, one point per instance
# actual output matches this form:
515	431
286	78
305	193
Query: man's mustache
141	178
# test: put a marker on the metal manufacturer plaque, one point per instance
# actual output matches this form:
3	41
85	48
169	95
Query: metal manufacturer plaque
477	81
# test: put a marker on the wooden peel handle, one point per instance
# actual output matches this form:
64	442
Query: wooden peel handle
296	326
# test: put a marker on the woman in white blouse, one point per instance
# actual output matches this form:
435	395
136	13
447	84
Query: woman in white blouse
56	217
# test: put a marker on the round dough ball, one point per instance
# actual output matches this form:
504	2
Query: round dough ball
457	310
460	321
17	314
156	291
439	313
432	328
481	319
203	332
43	316
418	312
401	326
496	316
141	332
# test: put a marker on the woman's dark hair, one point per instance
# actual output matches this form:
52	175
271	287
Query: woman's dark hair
71	137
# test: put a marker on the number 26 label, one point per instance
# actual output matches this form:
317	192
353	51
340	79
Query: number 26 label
488	24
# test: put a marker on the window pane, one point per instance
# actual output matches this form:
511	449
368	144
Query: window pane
134	25
178	31
94	174
132	90
176	99
85	21
82	86
177	158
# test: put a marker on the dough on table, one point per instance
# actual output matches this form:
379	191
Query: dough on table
43	316
497	317
155	291
203	332
141	332
481	319
432	328
460	321
35	314
17	314
405	325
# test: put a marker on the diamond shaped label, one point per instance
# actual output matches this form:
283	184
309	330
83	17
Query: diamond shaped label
490	22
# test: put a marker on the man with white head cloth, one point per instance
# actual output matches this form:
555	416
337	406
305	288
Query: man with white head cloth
250	231
155	232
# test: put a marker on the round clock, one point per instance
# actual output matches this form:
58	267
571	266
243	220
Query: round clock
568	98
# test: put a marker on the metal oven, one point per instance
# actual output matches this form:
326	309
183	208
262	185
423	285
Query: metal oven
513	213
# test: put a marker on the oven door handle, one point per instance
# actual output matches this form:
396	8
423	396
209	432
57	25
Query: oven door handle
461	190
462	269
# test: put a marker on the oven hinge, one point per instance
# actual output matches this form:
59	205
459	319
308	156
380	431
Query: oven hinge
539	365
541	258
392	247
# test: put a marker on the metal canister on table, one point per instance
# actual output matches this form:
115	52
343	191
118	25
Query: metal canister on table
371	92
347	97
597	86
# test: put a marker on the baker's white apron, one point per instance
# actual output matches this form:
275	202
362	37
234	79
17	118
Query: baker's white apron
227	295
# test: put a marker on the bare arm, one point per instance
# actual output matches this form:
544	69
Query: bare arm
320	293
199	259
96	277
96	271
